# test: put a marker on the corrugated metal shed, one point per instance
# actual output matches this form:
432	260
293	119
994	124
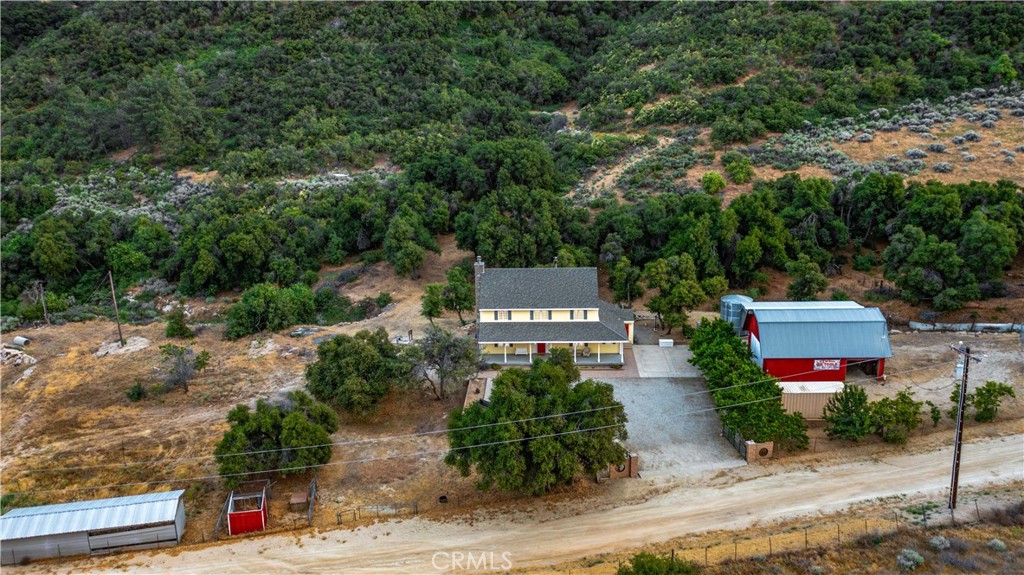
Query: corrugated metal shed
823	333
93	515
811	386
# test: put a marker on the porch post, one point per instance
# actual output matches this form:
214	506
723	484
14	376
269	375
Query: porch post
598	352
504	348
530	347
574	352
621	359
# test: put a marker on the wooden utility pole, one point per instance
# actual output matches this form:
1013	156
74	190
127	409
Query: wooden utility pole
117	315
965	352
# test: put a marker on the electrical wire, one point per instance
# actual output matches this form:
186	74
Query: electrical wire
402	455
392	437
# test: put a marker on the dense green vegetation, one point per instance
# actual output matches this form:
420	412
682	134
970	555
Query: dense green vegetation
542	426
292	436
461	98
849	415
747	399
749	68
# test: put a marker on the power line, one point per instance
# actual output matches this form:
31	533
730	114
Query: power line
403	436
369	459
401	455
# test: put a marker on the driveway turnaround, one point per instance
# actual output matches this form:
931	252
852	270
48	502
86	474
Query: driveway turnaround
655	361
673	427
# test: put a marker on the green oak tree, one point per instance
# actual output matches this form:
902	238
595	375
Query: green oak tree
521	442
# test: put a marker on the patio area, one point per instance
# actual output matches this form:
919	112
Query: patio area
606	360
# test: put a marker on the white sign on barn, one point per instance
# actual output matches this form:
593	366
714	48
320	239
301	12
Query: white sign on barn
827	364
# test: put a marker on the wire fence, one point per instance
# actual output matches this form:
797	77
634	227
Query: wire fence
833	533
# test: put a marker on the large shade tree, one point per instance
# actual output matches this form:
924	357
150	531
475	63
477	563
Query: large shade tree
289	437
542	426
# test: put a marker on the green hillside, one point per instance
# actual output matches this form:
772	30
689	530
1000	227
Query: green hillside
103	102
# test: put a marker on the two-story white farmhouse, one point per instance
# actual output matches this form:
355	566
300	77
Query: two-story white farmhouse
526	312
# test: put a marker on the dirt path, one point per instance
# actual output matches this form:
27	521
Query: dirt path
532	540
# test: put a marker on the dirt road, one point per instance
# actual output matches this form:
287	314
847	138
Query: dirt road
424	546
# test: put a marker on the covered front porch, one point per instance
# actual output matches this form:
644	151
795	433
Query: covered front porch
584	354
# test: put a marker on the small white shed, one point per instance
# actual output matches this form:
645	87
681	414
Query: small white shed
808	397
97	526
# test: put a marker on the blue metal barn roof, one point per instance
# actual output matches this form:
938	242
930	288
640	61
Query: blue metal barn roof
92	515
822	333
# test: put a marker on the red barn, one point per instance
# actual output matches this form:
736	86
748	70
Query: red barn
809	341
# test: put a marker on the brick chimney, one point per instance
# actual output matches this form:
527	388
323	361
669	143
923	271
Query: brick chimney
478	271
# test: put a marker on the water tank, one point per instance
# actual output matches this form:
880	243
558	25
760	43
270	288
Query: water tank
733	309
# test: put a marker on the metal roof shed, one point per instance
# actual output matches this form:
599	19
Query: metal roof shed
97	526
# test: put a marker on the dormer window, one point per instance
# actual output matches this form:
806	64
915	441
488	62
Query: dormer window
577	314
539	314
502	315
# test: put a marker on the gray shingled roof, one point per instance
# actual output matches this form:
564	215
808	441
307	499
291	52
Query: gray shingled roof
549	332
90	515
537	288
823	333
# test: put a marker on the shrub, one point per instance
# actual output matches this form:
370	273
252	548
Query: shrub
648	564
383	299
987	399
136	392
865	138
968	157
864	262
915	154
355	372
848	414
943	167
268	307
958	140
939	543
909	559
712	183
997	545
937	148
176	324
971	136
737	167
955	560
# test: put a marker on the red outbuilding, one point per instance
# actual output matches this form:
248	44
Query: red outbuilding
816	341
248	512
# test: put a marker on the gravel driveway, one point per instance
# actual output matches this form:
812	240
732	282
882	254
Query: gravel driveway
672	427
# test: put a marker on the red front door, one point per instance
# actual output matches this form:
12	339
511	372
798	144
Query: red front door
542	348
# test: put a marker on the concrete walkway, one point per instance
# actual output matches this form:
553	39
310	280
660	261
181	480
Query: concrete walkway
655	361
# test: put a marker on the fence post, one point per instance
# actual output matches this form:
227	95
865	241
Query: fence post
976	510
673	554
769	546
896	514
865	526
735	549
339	518
805	538
838	538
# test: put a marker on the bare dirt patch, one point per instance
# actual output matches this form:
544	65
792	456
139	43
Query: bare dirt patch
198	177
990	164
